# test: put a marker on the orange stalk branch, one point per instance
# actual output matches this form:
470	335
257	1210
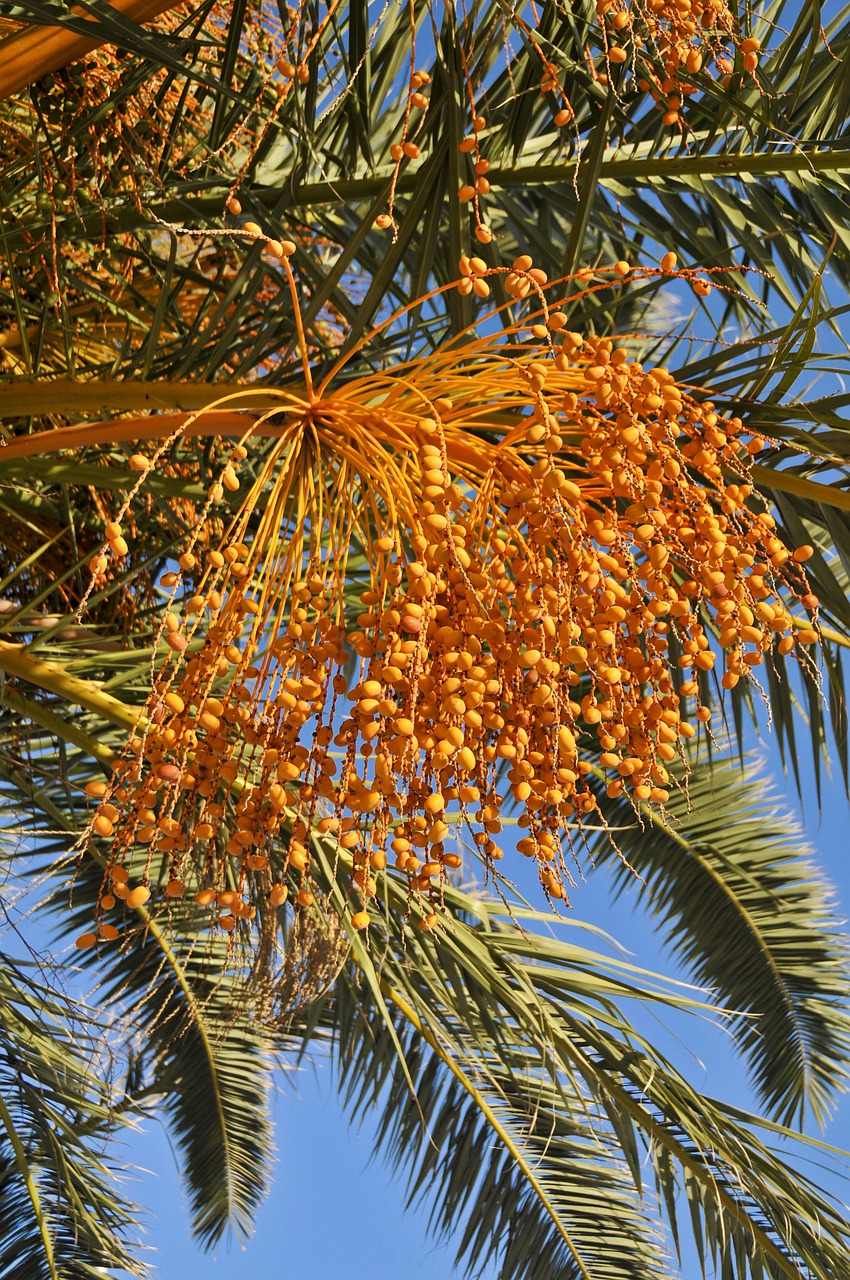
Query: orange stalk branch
28	55
215	422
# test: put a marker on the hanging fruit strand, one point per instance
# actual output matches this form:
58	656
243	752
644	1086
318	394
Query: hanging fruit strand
538	541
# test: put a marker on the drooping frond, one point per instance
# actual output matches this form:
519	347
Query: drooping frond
507	1168
731	883
194	1050
481	1038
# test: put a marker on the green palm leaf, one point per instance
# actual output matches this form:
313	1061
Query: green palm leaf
200	1062
579	1102
210	1071
736	194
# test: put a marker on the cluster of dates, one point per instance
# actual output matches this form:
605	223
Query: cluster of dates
536	620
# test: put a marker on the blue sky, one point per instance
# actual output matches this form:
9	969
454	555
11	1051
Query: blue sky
334	1212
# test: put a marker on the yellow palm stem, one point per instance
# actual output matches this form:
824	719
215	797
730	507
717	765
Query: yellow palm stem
16	660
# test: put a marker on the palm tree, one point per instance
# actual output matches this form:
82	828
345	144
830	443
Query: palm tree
244	306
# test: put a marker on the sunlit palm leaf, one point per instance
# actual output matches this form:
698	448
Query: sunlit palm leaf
566	1208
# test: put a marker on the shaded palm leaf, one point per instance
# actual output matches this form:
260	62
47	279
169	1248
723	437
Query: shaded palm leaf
62	1216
